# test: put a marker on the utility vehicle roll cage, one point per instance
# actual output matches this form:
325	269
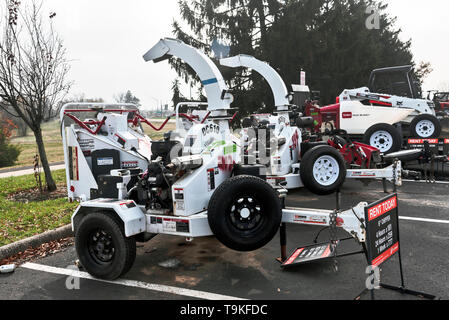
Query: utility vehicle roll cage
411	89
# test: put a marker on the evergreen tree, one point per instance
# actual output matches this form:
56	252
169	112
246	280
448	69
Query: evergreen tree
326	38
177	96
128	97
329	40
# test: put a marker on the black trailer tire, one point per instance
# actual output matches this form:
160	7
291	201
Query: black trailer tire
323	170
244	213
425	126
102	247
384	137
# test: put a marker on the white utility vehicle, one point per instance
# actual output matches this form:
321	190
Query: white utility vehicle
131	188
382	119
421	123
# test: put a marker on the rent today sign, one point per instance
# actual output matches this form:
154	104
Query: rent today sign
382	230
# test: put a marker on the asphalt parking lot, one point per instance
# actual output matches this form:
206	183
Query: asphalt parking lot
204	269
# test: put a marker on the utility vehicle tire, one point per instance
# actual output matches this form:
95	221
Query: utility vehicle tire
244	213
102	247
384	137
323	170
425	126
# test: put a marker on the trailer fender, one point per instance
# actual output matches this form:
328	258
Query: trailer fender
133	218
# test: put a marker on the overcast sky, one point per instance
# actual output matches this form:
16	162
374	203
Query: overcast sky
107	38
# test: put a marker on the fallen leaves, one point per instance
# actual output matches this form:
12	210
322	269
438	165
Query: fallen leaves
42	251
35	195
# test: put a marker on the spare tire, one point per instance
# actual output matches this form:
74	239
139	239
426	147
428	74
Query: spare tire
425	126
384	137
323	170
244	213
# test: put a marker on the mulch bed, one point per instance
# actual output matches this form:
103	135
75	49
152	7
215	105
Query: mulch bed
42	251
35	195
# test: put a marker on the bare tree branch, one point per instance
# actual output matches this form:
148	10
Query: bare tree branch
33	68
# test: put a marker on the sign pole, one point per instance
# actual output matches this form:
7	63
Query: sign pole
400	257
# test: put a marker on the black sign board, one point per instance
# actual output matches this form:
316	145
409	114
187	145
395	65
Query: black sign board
382	229
419	144
309	254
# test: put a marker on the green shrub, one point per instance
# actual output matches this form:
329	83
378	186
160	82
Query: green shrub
8	153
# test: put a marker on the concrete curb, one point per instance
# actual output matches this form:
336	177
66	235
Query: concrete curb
35	241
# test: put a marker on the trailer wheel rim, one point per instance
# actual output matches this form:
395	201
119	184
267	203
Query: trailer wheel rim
382	140
246	213
425	128
101	247
326	170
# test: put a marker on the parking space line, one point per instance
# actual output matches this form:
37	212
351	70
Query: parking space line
421	181
424	220
131	283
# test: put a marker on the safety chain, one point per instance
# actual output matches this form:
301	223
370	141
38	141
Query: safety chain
432	169
333	236
395	166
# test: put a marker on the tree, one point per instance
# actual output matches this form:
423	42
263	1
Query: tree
177	95
423	70
327	38
33	70
81	98
242	23
127	97
21	126
333	45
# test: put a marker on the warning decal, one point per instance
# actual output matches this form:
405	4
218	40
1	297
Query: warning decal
211	179
175	225
179	199
129	164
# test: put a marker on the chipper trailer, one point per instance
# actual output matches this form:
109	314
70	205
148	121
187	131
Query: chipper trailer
321	166
131	188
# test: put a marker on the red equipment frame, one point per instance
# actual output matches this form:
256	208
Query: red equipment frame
134	121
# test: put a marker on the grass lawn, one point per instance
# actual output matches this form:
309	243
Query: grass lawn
53	143
21	220
28	147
